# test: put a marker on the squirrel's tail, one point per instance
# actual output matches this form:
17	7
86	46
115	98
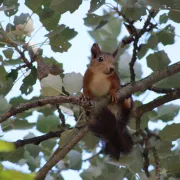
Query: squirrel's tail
112	131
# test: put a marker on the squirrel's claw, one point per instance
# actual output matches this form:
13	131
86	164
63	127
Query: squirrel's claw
84	98
114	99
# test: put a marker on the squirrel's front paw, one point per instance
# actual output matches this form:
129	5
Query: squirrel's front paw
114	99
84	98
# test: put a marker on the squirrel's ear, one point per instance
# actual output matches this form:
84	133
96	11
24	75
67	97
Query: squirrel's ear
95	50
114	54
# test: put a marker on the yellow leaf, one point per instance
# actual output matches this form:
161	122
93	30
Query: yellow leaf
15	175
6	146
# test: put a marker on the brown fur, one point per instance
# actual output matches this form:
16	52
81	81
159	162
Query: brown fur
100	79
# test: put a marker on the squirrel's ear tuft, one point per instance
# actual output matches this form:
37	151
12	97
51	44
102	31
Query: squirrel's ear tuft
114	54
95	50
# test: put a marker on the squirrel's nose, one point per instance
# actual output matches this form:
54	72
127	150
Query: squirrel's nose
111	69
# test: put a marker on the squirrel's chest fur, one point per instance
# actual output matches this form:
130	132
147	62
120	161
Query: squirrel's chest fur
100	85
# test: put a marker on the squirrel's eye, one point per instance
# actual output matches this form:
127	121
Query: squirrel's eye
100	59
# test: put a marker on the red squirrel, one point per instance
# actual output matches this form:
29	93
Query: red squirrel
109	124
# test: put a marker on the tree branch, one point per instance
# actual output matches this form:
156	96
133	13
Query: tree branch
41	102
61	116
124	92
60	153
157	102
162	90
39	139
147	82
22	55
157	162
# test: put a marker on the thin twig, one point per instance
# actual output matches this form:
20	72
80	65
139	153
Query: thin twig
94	155
134	58
22	55
61	116
38	140
157	162
162	90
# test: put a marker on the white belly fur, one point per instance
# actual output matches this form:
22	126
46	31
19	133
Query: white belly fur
100	85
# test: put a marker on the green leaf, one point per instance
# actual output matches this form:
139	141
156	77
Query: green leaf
6	146
93	20
51	85
144	49
90	141
32	162
133	10
46	124
59	38
163	18
15	175
95	4
21	19
172	164
123	68
174	15
13	156
72	82
33	149
11	62
4	106
153	41
48	144
107	36
170	82
14	7
13	74
5	85
22	124
101	24
149	116
9	2
163	147
16	124
75	159
170	132
8	53
167	112
47	16
29	81
66	136
133	160
61	6
33	4
158	60
167	35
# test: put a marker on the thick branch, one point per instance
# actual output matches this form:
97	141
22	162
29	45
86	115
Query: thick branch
41	102
147	82
39	139
126	91
60	153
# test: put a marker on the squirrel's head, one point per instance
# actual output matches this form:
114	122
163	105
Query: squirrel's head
102	62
